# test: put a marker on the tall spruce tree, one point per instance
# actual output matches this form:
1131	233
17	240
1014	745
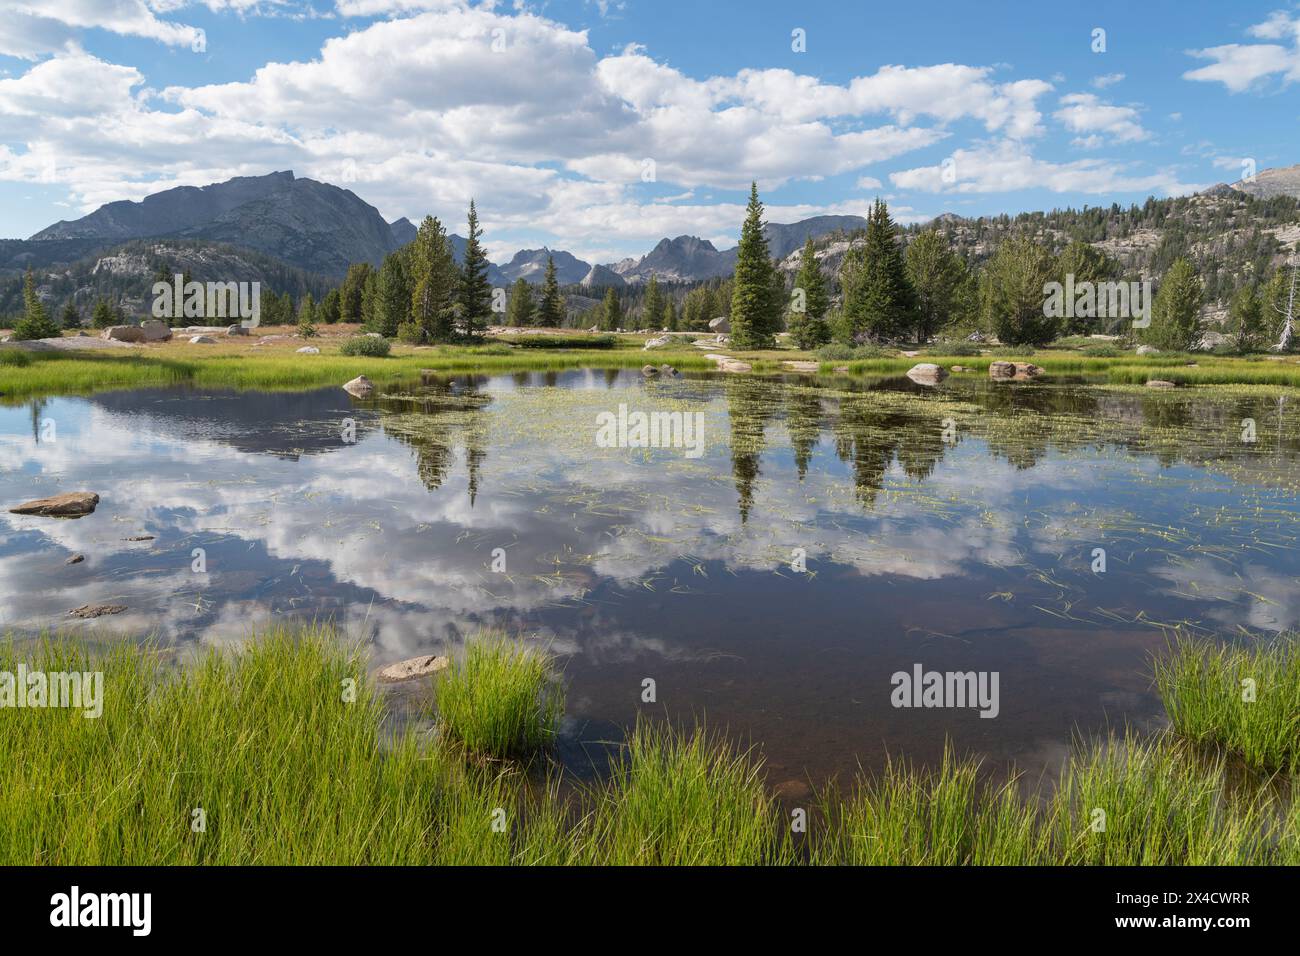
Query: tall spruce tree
433	282
611	312
937	275
521	310
1175	317
36	322
392	297
879	302
755	304
352	292
652	308
475	299
550	313
809	303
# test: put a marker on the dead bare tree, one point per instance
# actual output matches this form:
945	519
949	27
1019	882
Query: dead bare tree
1288	325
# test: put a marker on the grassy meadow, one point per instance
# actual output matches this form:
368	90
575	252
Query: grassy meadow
285	752
245	362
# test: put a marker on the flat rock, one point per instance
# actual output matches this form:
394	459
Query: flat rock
124	333
202	340
961	368
309	350
1147	350
74	504
413	668
360	386
927	373
1160	383
236	329
87	611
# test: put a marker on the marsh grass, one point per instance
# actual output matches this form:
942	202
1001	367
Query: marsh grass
289	753
1244	700
500	699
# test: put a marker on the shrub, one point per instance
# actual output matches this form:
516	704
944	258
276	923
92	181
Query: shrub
839	352
500	699
1101	351
412	333
371	346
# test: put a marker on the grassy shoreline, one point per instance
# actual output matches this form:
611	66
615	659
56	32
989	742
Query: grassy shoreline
284	751
240	363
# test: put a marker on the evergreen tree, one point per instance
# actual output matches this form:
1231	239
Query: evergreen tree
1175	317
36	322
329	308
434	282
551	312
937	275
352	291
652	308
392	297
807	325
475	292
101	317
370	300
755	305
307	317
1015	279
1246	319
611	313
71	318
670	316
879	302
1087	264
521	311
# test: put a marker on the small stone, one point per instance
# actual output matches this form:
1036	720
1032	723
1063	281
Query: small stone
202	340
413	668
309	350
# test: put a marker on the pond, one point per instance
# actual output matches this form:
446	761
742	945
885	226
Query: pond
771	580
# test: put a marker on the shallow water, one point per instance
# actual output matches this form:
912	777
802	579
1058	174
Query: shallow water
952	528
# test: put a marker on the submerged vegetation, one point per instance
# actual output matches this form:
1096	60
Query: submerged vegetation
282	753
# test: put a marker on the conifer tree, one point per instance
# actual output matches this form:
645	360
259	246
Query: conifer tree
434	282
937	275
36	322
475	299
810	301
611	312
755	307
392	297
521	310
1175	316
653	306
879	302
551	312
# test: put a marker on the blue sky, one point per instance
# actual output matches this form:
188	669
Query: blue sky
600	127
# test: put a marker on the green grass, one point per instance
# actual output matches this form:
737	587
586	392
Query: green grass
292	756
500	699
560	341
50	373
1245	700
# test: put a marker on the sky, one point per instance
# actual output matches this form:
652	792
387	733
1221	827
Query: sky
601	127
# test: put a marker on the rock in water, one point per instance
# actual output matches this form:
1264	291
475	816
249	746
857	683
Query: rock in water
1014	371
360	386
413	668
649	371
74	504
87	611
927	373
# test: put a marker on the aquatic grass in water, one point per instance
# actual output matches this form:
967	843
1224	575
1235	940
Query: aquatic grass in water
1243	700
500	699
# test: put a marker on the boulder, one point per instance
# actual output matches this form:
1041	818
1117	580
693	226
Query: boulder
1212	340
1014	371
202	340
1147	350
720	324
413	668
74	504
649	371
236	329
124	333
669	371
97	610
927	373
309	350
657	342
360	386
155	330
1160	383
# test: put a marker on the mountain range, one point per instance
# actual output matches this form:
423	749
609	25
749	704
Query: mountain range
321	228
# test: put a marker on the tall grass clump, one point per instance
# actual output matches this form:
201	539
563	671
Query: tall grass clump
1125	802
1244	700
369	346
944	817
677	798
14	358
500	699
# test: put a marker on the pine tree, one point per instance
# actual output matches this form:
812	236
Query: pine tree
550	314
475	292
307	317
755	308
807	321
369	300
937	275
521	311
1085	263
329	308
879	302
71	318
434	282
352	292
36	322
1175	317
101	317
653	307
670	316
1014	287
1246	319
611	312
392	297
